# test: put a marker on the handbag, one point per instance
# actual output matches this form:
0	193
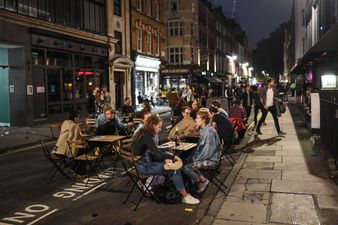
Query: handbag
281	106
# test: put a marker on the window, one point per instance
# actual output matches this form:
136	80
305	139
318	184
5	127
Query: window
173	5
149	7
117	8
157	44
157	8
118	45
139	5
175	55
139	39
175	28
148	42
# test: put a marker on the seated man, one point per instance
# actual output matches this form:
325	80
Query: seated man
110	124
217	105
127	108
186	126
222	125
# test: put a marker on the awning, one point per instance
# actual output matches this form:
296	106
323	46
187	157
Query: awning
212	79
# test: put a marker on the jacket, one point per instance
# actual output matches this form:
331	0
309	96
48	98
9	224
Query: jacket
208	150
185	126
245	99
70	131
264	95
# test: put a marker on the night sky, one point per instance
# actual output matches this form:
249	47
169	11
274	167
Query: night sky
258	17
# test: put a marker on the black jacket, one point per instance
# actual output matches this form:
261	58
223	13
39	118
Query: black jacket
91	104
245	99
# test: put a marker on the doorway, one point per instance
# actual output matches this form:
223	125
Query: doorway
119	83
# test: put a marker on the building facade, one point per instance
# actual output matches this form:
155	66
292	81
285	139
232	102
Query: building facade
147	46
53	52
120	63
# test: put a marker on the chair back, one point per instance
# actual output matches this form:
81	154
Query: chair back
126	144
55	129
74	146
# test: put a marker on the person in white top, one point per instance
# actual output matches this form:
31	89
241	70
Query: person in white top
268	99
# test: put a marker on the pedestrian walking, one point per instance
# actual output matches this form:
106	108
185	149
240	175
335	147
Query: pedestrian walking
269	102
230	96
257	102
106	94
247	101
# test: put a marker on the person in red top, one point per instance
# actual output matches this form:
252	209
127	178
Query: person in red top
237	110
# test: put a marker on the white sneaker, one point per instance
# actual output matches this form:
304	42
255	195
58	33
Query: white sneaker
190	200
202	186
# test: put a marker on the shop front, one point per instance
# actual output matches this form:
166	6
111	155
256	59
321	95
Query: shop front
146	77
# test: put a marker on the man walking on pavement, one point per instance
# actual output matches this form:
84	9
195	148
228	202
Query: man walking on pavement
268	99
247	101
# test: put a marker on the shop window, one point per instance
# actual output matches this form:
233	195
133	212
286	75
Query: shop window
58	59
54	91
148	42
67	84
175	28
79	86
81	61
38	57
53	109
117	8
118	45
175	55
139	39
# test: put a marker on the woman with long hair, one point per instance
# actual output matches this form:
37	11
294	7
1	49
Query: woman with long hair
143	143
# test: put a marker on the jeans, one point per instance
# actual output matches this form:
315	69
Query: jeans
273	112
192	172
147	167
248	112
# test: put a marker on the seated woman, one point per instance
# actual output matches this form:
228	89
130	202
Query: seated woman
70	131
207	153
237	111
143	143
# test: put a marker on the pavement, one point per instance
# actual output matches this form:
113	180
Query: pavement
278	180
14	138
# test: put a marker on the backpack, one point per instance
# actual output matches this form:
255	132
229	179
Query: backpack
166	193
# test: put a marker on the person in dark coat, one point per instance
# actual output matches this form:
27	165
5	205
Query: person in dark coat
247	101
91	101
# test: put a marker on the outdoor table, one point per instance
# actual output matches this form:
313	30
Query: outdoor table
106	138
184	146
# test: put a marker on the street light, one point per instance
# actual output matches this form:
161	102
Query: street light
234	57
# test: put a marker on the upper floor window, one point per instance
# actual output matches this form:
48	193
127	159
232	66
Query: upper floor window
157	8
139	5
118	45
157	44
173	5
139	39
148	42
175	28
117	8
149	7
175	55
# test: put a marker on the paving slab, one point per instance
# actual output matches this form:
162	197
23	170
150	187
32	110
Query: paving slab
265	174
293	153
263	153
237	190
259	181
298	166
258	187
264	158
258	165
301	159
303	187
267	147
326	201
293	209
229	222
303	176
240	211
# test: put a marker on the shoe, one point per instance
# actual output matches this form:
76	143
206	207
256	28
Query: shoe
258	132
190	200
173	166
281	133
202	186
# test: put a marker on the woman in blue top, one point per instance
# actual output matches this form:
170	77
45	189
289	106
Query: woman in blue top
207	153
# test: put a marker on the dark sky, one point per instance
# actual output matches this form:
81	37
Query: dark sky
258	17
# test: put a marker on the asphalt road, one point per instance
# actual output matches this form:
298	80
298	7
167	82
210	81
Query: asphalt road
26	198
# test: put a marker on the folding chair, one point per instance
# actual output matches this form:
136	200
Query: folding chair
90	161
91	126
212	171
225	152
55	130
58	163
129	165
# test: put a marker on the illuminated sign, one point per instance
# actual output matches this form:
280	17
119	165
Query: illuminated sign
329	81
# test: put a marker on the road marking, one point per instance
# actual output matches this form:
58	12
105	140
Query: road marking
42	217
88	192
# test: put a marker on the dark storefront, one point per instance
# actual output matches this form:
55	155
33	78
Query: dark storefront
178	76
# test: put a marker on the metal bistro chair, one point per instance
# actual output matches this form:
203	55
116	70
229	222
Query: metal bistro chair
129	165
55	130
90	161
59	164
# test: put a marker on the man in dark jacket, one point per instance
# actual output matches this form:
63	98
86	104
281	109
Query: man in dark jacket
247	101
91	101
269	102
